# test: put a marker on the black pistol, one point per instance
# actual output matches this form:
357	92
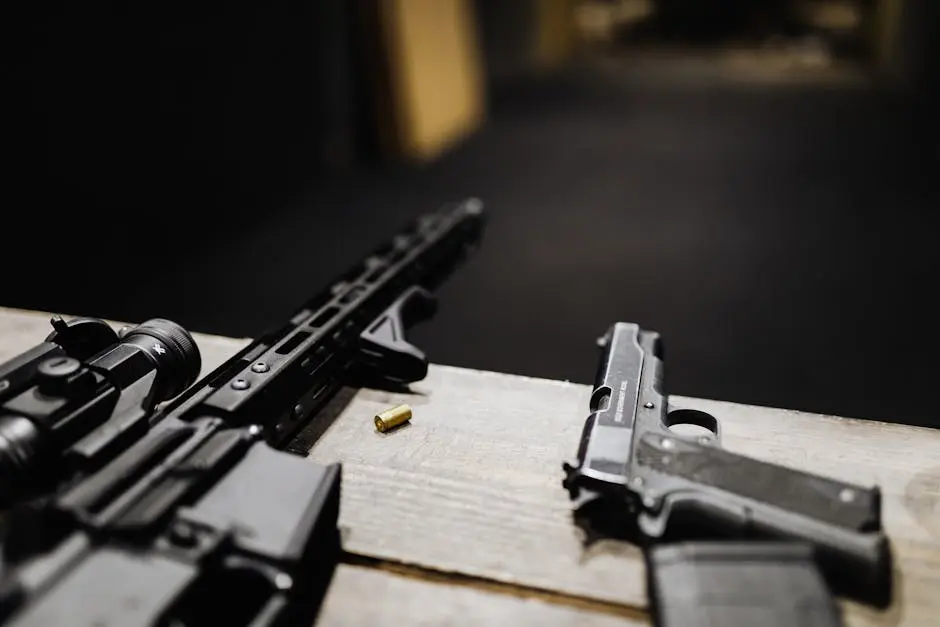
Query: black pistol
638	479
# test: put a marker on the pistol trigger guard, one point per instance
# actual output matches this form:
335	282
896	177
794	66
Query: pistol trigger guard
383	350
710	425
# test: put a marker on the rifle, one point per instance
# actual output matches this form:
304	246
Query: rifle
201	520
637	479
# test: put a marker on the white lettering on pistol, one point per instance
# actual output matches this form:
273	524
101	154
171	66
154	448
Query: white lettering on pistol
618	415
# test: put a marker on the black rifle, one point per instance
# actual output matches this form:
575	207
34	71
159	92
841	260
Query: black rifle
200	521
637	479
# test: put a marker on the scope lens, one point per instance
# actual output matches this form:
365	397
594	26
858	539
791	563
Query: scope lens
19	448
174	351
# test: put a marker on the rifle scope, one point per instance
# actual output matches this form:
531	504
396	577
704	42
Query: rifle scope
66	403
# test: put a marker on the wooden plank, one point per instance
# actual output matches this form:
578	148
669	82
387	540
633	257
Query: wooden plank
368	597
472	485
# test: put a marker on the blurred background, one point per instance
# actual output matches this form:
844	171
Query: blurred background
751	179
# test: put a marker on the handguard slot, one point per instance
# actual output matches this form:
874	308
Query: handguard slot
323	317
292	342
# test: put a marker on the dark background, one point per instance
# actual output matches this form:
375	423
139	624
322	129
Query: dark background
216	169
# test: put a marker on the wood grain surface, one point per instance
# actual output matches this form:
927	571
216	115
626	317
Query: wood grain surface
471	488
369	597
473	485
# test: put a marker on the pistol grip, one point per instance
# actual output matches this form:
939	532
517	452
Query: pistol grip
709	492
856	564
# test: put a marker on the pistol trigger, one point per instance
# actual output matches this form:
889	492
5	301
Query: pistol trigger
384	351
653	523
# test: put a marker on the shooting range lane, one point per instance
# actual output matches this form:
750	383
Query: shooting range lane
465	502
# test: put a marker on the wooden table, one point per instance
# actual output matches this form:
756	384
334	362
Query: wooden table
460	518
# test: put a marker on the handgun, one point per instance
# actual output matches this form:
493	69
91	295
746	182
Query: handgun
638	478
